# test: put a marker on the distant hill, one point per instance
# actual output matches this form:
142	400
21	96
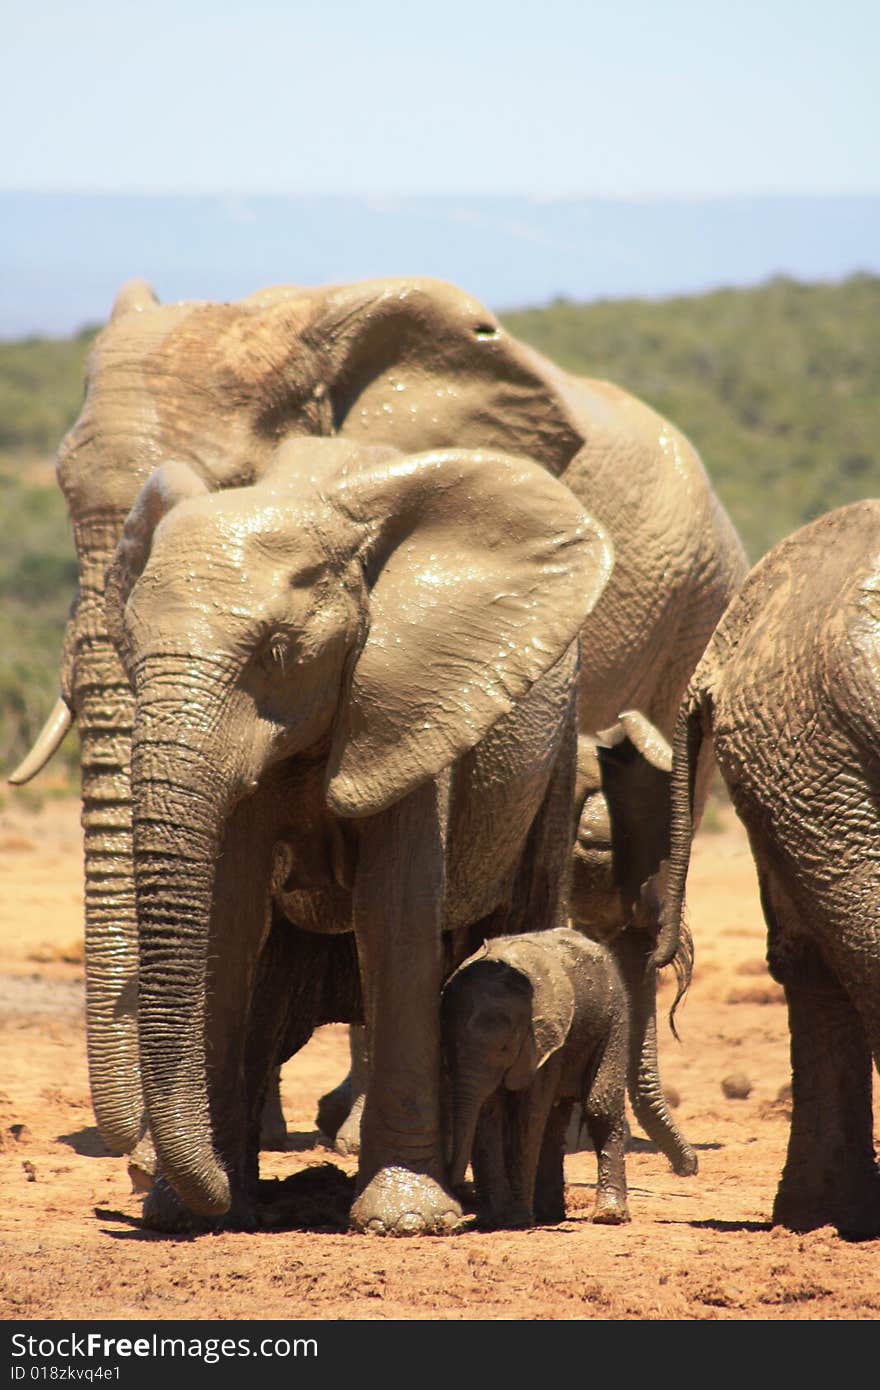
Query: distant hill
778	387
63	256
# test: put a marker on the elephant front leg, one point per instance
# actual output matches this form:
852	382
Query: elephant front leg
398	905
528	1116
550	1182
488	1160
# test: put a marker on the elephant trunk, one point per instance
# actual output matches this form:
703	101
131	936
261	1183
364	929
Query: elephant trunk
467	1104
631	950
177	833
102	698
673	940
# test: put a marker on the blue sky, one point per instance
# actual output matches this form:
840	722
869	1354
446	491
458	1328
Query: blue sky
561	98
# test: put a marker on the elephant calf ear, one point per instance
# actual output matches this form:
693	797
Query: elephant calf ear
482	569
553	1003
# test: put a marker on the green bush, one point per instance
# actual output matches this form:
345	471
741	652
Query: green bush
777	387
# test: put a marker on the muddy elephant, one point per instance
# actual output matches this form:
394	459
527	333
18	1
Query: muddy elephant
368	662
789	690
531	1025
416	364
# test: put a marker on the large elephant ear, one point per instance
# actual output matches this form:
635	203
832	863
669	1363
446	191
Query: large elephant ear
553	1004
167	485
481	570
420	364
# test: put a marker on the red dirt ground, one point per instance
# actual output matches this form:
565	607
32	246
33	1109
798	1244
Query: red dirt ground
71	1243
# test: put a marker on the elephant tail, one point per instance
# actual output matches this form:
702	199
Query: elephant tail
674	942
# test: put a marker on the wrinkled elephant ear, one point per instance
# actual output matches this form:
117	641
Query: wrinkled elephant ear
645	737
635	761
166	486
421	364
552	1007
481	570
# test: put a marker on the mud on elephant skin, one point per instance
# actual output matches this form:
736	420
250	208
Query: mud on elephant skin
789	691
531	1026
371	659
413	363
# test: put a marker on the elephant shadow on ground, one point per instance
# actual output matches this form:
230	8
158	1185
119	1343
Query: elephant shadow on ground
86	1142
317	1199
848	1237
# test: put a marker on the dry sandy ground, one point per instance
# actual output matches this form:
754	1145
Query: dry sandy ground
71	1243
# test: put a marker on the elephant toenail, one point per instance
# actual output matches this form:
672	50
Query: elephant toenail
409	1224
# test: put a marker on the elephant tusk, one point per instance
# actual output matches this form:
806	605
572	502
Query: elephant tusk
48	741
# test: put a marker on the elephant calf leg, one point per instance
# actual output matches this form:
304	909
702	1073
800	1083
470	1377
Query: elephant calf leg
334	1107
273	1126
494	1196
348	1136
550	1181
604	1109
529	1113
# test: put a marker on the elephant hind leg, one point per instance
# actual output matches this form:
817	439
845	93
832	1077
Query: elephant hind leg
830	1175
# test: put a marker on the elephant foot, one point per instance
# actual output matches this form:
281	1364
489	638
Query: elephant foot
333	1109
397	1202
164	1211
142	1165
855	1215
273	1126
348	1138
610	1209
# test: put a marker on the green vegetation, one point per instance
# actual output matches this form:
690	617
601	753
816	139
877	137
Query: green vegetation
778	387
41	387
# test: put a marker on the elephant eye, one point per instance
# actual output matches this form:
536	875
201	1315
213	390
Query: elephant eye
277	653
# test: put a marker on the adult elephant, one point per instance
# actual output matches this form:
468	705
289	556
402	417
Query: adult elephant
789	690
369	659
414	363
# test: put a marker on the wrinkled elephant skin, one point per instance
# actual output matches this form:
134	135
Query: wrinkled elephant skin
370	659
416	364
789	689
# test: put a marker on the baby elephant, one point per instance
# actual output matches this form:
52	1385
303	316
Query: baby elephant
532	1024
